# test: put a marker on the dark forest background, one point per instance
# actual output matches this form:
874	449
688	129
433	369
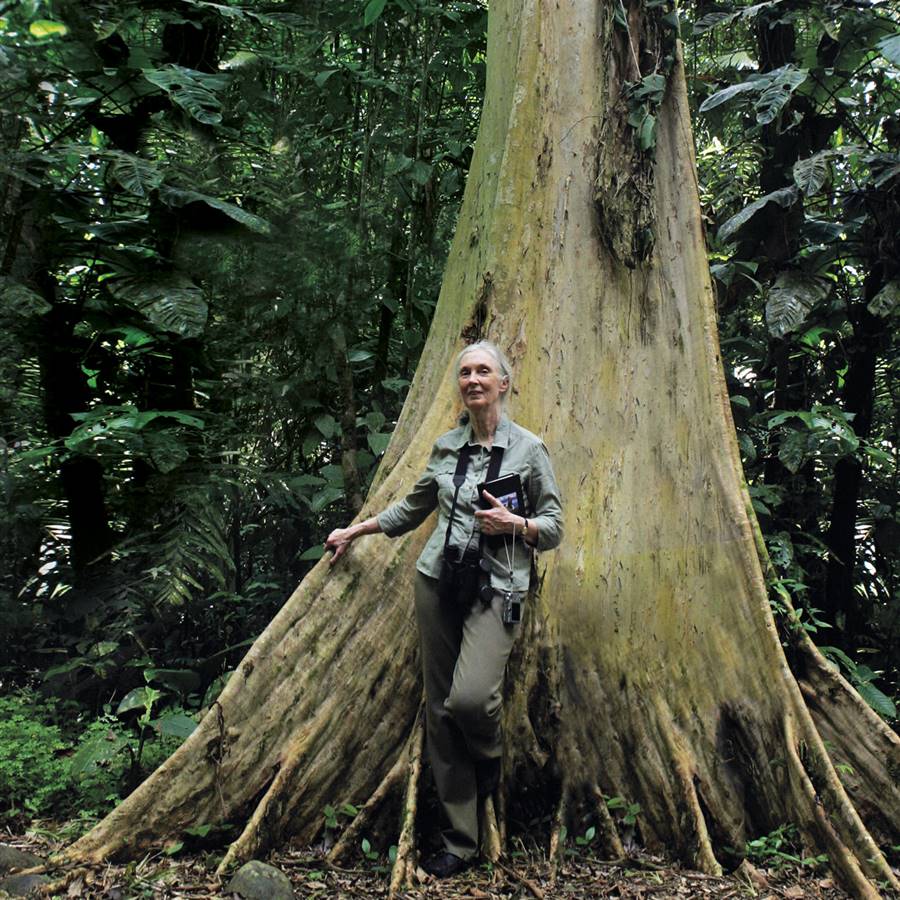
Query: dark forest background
222	232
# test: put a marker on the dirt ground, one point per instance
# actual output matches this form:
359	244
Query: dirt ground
524	876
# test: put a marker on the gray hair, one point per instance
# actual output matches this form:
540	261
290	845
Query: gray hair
502	362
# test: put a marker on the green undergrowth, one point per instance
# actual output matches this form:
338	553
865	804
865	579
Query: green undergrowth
781	847
56	765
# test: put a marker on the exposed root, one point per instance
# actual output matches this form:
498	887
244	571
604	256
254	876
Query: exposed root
557	841
846	864
527	882
693	824
59	885
405	864
696	831
856	736
35	870
609	835
363	819
218	754
501	798
491	845
274	806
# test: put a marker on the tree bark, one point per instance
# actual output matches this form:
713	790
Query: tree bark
649	666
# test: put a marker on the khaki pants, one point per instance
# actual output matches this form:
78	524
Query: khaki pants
463	660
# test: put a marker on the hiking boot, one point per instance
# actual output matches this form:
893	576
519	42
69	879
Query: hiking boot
445	864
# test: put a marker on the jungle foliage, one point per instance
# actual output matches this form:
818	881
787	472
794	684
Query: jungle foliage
223	232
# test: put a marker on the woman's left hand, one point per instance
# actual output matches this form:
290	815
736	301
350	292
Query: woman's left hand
498	519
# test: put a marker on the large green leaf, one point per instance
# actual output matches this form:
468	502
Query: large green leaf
66	667
728	93
317	551
420	171
131	335
174	725
113	231
46	28
775	89
149	415
374	8
822	231
136	699
171	301
879	701
889	48
167	452
793	450
713	19
326	425
810	174
105	421
781	85
195	92
322	77
826	433
240	60
378	443
138	176
325	497
180	197
183	681
791	298
736	59
783	197
840	656
99	749
397	163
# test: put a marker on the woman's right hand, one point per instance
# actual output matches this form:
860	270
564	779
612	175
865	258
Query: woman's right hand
341	538
338	542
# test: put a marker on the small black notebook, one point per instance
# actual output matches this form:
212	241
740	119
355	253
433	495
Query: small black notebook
508	490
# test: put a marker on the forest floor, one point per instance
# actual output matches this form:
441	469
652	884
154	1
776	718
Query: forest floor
162	877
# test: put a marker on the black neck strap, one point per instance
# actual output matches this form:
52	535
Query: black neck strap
494	465
459	476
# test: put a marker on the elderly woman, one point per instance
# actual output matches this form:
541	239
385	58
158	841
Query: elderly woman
471	579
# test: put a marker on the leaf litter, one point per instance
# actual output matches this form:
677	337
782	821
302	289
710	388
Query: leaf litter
638	877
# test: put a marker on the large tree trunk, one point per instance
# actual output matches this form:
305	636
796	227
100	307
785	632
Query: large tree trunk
650	666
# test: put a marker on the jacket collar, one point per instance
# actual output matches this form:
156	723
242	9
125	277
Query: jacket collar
501	438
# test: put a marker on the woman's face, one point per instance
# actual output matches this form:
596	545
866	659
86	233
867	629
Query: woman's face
480	383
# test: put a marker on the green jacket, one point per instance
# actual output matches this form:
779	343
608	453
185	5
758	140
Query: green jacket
524	453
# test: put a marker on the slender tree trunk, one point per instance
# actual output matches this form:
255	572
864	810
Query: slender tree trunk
649	666
64	388
841	603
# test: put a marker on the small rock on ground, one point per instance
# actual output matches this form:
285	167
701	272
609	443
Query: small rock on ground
14	858
258	881
21	885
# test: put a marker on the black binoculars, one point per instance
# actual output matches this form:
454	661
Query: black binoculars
465	577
